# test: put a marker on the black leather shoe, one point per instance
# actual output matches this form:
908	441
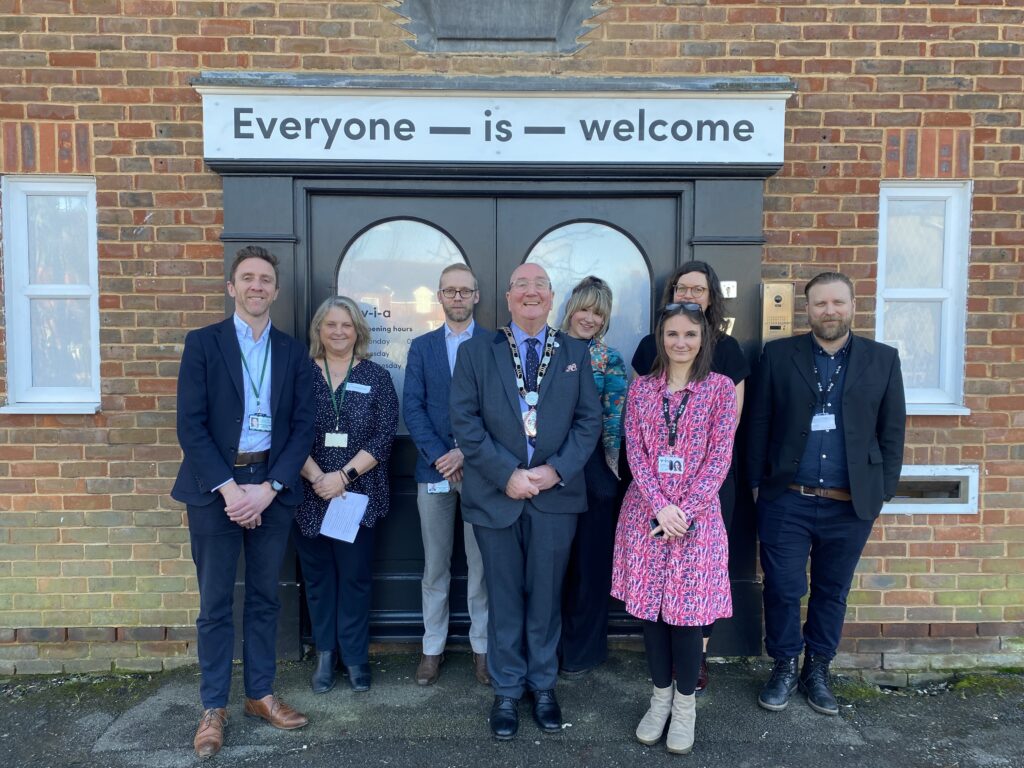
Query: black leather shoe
359	676
323	674
816	683
780	686
504	718
546	712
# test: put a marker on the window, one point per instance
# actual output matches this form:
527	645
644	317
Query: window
923	237
51	294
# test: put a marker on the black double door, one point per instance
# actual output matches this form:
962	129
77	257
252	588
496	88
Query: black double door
494	234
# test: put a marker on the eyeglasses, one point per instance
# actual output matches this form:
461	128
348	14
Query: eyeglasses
685	306
694	291
540	284
462	293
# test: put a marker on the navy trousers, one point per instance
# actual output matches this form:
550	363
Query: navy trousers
216	544
338	578
791	528
524	565
588	579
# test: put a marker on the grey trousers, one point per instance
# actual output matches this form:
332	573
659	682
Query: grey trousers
437	526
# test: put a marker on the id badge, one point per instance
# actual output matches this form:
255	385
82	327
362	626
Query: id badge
442	487
259	422
362	389
670	465
823	422
336	440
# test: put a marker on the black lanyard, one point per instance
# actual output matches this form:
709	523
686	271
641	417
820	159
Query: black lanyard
336	404
673	424
824	392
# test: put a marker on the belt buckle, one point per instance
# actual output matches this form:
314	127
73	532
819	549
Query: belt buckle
812	494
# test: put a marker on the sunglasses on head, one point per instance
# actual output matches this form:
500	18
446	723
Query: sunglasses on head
685	306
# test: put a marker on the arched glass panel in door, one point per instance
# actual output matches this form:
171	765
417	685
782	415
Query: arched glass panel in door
573	251
391	271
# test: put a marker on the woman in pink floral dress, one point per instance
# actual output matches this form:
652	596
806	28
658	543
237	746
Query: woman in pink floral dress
671	551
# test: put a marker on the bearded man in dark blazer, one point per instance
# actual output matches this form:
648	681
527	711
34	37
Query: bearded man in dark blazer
825	450
245	425
525	413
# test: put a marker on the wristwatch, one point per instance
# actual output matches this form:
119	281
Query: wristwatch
351	473
277	486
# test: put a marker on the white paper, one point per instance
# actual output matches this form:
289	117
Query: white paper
343	516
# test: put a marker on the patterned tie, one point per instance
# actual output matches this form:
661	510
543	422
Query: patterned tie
532	364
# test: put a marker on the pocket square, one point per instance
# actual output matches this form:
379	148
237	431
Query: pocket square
570	368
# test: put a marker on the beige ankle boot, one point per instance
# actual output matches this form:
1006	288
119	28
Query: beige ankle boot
680	731
653	723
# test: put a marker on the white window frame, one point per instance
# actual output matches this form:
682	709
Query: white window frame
968	474
22	396
948	398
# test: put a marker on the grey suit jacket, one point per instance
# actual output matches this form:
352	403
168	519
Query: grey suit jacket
782	401
487	423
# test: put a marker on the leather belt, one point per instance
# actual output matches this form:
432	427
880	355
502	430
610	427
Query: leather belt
245	459
836	494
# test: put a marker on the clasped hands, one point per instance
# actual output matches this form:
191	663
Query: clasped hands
671	522
450	465
244	504
527	483
331	485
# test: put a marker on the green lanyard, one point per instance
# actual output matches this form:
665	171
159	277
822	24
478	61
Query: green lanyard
336	404
256	389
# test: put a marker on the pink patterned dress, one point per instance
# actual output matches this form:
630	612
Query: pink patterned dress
684	580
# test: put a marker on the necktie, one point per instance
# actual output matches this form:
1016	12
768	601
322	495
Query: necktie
532	364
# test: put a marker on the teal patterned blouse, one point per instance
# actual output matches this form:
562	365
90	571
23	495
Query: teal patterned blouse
612	383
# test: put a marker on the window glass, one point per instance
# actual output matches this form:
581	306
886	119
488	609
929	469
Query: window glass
61	354
916	235
57	249
914	328
574	251
391	271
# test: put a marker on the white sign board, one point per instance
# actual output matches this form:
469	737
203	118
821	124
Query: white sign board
360	125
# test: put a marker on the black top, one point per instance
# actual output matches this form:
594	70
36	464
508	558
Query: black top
370	418
727	359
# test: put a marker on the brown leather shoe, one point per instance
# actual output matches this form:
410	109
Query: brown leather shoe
480	668
429	669
210	734
275	712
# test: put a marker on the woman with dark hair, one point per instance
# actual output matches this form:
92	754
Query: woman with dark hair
584	643
356	420
697	282
671	561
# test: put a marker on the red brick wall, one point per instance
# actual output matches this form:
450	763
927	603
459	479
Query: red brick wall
88	534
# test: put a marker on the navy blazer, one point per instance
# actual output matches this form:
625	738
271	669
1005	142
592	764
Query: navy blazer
782	400
211	406
488	424
428	383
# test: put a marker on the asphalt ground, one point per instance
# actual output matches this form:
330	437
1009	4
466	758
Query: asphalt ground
148	721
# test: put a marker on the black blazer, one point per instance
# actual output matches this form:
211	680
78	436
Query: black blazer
488	425
211	406
782	399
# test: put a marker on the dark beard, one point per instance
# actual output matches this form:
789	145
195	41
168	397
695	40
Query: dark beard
821	331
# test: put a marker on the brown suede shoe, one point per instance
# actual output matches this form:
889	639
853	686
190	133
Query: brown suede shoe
480	668
429	669
275	712
210	734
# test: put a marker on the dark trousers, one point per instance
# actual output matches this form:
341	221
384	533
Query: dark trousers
588	579
524	565
216	544
669	648
337	577
791	528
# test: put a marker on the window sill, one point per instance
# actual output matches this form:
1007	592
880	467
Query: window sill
937	409
51	408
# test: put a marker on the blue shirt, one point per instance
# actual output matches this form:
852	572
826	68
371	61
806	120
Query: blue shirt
452	341
253	352
823	464
520	337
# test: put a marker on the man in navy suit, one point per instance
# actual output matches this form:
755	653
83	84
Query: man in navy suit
525	412
245	425
428	376
825	450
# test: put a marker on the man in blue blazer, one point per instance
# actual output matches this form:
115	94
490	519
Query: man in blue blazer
525	413
245	425
428	377
825	450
